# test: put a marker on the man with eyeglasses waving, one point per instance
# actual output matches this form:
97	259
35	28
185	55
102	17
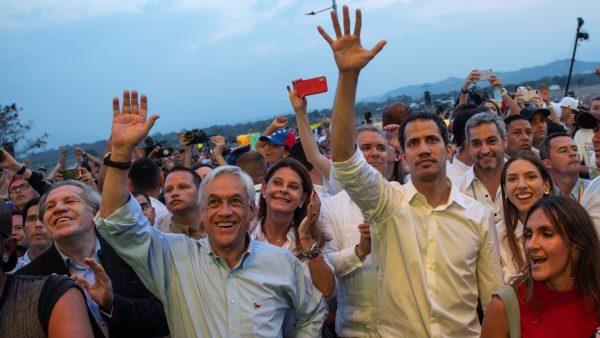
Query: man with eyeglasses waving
25	185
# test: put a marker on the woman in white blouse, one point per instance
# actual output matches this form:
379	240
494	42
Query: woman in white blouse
524	181
287	217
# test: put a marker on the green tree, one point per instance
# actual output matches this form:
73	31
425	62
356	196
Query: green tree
15	132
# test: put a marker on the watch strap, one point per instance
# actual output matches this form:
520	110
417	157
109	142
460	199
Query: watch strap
119	165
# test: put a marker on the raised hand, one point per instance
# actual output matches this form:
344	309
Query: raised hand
309	221
219	142
101	291
495	81
473	77
392	131
349	54
298	103
8	162
364	246
130	124
279	122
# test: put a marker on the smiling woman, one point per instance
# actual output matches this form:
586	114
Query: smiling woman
559	294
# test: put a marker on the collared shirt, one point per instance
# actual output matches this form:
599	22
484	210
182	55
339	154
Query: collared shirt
176	228
163	215
22	261
591	202
84	271
509	269
433	263
456	170
202	296
356	287
577	192
472	187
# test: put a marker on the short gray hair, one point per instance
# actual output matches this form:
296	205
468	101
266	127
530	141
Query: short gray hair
229	170
369	127
483	118
90	196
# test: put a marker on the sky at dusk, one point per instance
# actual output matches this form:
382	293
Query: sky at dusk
207	62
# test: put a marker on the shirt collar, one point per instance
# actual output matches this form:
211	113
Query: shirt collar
455	195
69	262
207	248
469	177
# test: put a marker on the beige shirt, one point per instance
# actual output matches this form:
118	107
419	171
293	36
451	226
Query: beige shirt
433	263
472	187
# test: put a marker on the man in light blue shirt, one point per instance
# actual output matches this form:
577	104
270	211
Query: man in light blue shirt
224	285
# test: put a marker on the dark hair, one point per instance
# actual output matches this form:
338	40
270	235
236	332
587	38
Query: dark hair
139	193
512	118
32	202
511	213
394	113
597	98
144	174
195	177
545	145
297	153
460	121
576	227
426	117
300	212
254	164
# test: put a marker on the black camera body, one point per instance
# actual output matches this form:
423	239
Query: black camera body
150	144
195	136
165	152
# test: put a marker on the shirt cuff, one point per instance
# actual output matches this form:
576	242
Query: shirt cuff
131	210
344	261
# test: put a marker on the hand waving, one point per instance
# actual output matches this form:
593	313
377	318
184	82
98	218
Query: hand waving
130	124
349	54
298	103
101	291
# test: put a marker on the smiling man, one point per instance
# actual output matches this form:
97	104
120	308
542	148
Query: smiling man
487	140
561	157
222	285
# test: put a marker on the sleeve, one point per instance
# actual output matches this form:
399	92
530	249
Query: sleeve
365	185
37	182
591	202
54	288
309	305
143	316
343	261
489	272
145	249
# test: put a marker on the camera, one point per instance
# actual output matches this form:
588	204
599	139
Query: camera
165	152
195	136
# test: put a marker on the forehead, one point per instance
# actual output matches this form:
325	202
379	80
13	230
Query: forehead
561	141
179	176
273	145
64	191
224	186
484	130
18	182
421	129
369	137
538	219
521	166
538	117
16	218
32	211
286	173
519	124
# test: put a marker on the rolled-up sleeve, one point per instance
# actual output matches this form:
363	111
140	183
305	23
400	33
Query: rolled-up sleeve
141	246
365	185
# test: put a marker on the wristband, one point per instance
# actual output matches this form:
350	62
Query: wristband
312	253
119	165
356	253
22	170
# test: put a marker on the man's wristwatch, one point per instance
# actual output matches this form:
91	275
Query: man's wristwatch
21	171
356	253
119	165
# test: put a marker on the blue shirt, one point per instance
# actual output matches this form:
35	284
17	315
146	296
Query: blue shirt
202	296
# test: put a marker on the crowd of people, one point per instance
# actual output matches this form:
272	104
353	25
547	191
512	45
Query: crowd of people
480	221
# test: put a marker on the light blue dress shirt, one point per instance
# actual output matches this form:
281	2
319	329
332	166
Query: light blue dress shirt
202	296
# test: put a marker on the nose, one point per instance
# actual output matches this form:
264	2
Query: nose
39	225
532	244
225	209
521	182
424	149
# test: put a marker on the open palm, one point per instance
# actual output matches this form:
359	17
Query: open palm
348	51
130	124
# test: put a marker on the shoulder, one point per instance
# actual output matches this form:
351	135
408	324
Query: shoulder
47	263
475	209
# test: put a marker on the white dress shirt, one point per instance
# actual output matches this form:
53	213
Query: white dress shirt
591	202
162	221
356	287
509	269
472	187
433	263
456	171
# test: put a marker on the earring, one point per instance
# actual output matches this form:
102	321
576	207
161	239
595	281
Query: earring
573	261
547	192
4	259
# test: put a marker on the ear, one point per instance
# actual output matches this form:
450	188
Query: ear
263	189
448	150
547	163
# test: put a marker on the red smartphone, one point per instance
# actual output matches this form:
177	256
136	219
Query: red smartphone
313	86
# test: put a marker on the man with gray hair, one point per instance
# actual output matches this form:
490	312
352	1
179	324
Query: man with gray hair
486	136
222	285
117	300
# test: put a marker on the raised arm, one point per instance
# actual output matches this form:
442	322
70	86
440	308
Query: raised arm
130	125
311	149
350	58
473	77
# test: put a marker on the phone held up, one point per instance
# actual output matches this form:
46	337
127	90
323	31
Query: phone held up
312	86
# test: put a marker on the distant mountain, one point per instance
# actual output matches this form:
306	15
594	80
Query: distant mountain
556	68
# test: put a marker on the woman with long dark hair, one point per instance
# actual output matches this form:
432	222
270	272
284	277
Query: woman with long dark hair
559	293
287	217
524	181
